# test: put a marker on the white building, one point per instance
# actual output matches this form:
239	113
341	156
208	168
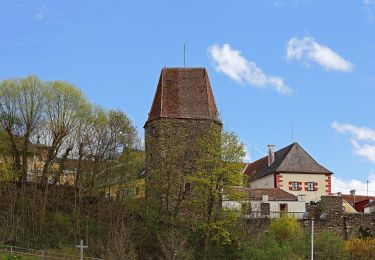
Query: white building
268	203
290	169
370	208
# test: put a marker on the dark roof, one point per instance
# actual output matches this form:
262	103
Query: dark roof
358	198
273	194
371	204
184	93
292	158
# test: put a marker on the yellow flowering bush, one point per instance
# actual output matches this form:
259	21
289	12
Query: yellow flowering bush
360	248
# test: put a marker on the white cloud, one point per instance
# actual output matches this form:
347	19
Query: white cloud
230	62
345	186
42	12
308	50
363	139
361	133
369	7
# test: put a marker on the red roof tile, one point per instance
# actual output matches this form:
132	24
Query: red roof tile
350	199
273	194
184	93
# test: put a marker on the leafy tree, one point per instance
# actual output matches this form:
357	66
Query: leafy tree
219	169
21	111
9	120
65	108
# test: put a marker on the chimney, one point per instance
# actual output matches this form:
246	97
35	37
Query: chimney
352	192
271	154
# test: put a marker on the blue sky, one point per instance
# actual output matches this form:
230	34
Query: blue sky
272	64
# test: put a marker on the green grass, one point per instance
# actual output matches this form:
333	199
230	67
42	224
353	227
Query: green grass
14	257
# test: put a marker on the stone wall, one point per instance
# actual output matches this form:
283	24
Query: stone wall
173	149
329	215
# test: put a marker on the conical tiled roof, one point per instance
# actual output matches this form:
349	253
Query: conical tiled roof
184	93
292	158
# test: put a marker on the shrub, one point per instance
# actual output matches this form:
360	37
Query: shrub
285	229
360	248
328	246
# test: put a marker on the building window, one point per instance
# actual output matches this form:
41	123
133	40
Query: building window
310	186
294	185
283	208
265	209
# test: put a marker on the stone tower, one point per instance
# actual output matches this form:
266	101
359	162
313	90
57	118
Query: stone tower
183	111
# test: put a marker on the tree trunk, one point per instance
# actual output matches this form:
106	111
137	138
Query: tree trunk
56	178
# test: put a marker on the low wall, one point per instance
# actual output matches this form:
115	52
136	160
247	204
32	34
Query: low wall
328	215
335	219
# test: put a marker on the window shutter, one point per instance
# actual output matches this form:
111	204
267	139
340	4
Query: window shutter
300	185
306	186
290	185
315	186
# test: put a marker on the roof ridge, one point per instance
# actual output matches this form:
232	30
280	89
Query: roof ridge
288	149
161	92
156	91
207	98
295	144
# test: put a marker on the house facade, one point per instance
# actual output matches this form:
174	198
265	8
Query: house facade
290	169
370	208
268	203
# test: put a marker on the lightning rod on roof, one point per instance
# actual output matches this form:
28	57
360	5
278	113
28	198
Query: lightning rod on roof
184	54
292	132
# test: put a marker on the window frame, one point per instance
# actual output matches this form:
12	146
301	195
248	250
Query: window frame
295	186
310	186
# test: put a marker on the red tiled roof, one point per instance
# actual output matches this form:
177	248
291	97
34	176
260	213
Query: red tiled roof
358	198
292	158
184	93
273	194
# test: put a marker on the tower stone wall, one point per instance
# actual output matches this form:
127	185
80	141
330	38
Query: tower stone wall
183	113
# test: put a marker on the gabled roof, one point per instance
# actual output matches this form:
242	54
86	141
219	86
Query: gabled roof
273	194
184	93
358	198
292	159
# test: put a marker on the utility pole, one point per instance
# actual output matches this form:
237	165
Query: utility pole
81	247
312	239
367	188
